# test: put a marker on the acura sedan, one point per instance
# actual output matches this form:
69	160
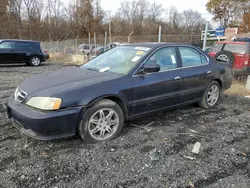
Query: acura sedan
124	83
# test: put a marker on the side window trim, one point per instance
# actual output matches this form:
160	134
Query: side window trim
178	58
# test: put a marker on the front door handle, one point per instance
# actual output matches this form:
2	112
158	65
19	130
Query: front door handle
177	78
209	72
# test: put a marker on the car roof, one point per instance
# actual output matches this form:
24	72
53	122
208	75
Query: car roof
17	40
154	44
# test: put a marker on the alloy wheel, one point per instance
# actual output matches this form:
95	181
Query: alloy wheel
103	124
213	95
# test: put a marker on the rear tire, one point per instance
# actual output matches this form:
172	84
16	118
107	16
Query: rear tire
211	96
35	61
101	122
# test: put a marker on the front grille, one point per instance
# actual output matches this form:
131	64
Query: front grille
20	95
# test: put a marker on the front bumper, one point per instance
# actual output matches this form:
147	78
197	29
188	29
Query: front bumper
43	125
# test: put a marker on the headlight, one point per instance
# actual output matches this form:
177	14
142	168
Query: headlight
45	103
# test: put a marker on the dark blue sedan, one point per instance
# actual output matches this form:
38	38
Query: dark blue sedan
124	83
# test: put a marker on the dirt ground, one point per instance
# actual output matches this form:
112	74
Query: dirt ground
151	157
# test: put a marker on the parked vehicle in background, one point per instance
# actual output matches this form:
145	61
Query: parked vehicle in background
86	48
100	50
46	54
208	49
21	51
122	84
113	45
236	53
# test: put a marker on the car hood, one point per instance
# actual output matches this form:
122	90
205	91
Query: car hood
52	83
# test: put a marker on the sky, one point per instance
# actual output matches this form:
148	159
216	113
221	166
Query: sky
199	5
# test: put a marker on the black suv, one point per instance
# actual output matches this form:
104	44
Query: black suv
21	51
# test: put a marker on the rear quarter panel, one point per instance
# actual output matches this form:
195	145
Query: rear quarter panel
222	71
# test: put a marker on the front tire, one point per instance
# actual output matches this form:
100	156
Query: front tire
35	61
103	121
211	96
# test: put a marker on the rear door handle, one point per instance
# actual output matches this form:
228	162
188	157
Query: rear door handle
177	78
209	72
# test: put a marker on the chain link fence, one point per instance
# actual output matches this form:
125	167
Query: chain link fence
67	50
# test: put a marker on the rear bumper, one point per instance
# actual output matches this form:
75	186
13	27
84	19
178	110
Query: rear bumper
243	71
43	59
43	125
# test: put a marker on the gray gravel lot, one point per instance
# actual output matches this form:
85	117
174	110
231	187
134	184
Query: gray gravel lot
152	157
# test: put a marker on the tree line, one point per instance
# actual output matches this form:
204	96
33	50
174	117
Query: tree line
229	13
53	20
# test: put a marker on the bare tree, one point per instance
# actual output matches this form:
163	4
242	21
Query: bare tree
52	20
15	7
98	15
175	20
155	11
191	19
3	18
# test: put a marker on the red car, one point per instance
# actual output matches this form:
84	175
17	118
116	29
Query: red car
234	52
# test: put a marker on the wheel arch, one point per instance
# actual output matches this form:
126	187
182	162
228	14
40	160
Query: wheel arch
219	81
114	98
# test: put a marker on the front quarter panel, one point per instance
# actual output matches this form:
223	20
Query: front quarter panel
86	96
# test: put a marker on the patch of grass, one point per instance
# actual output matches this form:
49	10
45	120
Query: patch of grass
71	59
239	89
62	57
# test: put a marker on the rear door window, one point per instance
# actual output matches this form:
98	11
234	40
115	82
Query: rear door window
236	48
191	57
22	45
204	59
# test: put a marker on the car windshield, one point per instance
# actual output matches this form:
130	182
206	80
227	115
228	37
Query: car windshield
236	48
119	60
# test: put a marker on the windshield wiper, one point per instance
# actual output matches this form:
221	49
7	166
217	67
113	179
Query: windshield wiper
92	69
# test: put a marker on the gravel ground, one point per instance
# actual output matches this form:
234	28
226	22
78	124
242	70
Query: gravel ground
153	156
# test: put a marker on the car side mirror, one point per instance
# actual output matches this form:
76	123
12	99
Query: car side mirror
151	68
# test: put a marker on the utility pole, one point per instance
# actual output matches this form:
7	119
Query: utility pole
110	31
159	35
205	37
